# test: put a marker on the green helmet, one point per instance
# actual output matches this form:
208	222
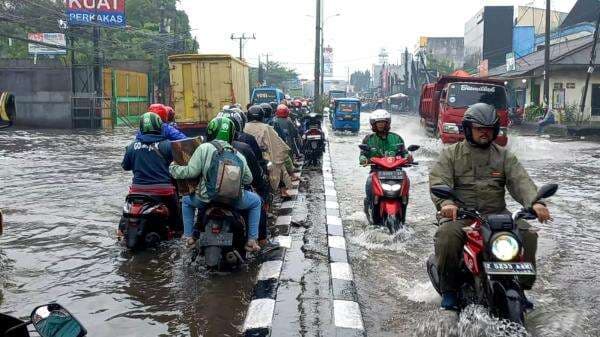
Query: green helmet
221	128
150	123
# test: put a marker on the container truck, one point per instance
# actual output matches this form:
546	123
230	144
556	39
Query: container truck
444	102
201	84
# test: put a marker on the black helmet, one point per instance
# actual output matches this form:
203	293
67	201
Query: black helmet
481	114
273	106
268	110
256	113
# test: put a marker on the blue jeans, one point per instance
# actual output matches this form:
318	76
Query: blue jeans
250	201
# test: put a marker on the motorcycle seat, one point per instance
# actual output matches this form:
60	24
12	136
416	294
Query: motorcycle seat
162	190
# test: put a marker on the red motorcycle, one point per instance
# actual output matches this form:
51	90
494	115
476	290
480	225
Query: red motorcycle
493	258
390	189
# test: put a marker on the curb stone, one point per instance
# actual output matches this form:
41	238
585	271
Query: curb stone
259	317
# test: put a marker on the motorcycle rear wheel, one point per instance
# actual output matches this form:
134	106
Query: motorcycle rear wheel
392	223
212	257
514	307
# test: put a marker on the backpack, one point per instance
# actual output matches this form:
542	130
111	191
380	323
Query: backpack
224	178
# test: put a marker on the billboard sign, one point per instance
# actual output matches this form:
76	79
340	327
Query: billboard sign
108	13
511	64
328	61
50	38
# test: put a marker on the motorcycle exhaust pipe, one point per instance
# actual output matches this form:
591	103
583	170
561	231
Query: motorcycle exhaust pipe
231	258
152	239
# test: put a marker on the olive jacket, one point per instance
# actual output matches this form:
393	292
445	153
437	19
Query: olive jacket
481	176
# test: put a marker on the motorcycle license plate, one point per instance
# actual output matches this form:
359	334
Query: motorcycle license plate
212	239
390	175
509	268
313	137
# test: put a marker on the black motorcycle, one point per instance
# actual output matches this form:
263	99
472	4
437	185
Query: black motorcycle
147	219
222	237
313	140
50	320
493	258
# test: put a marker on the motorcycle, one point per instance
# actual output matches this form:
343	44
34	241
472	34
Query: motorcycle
49	320
313	141
146	217
390	189
222	237
493	258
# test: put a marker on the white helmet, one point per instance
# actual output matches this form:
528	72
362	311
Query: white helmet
380	115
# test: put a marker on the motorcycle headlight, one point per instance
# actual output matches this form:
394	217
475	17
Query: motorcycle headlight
391	188
505	247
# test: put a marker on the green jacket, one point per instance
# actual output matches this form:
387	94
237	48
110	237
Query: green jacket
481	176
381	147
199	164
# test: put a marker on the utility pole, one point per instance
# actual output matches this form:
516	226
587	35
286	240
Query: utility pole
317	53
266	73
547	58
590	69
97	66
163	56
242	38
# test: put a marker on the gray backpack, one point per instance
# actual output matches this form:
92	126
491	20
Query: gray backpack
224	178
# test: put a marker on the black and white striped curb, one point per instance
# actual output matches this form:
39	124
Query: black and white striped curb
259	317
346	310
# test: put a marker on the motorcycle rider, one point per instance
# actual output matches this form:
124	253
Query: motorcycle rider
168	130
149	157
221	130
274	149
268	113
479	171
287	129
382	143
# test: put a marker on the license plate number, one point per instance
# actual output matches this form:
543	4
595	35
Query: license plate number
390	175
348	118
313	137
212	239
509	268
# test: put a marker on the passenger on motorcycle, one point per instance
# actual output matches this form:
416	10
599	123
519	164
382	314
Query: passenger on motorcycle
149	157
220	131
479	171
168	130
274	149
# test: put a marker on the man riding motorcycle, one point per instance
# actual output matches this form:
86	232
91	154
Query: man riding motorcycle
274	148
382	143
479	171
168	130
221	131
286	129
149	158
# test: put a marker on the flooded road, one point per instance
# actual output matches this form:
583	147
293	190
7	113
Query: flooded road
62	194
394	290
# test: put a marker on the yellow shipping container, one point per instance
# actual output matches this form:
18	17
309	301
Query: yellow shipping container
203	83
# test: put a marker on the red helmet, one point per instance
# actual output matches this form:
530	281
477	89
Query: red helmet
160	110
282	111
170	114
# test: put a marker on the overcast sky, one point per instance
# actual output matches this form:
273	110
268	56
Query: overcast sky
285	29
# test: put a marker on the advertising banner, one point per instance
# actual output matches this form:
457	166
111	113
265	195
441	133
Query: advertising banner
107	13
50	38
328	61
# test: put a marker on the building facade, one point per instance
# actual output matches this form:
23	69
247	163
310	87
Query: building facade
449	49
488	37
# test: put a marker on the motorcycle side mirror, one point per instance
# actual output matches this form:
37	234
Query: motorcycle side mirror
445	192
412	148
546	191
53	320
364	147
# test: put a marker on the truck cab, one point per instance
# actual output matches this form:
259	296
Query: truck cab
267	95
443	105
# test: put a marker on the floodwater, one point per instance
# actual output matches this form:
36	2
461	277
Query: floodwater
62	194
394	290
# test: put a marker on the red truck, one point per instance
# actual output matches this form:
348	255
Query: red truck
443	104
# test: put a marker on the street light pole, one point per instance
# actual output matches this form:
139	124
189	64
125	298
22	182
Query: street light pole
317	52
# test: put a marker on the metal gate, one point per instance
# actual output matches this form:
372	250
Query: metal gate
90	111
